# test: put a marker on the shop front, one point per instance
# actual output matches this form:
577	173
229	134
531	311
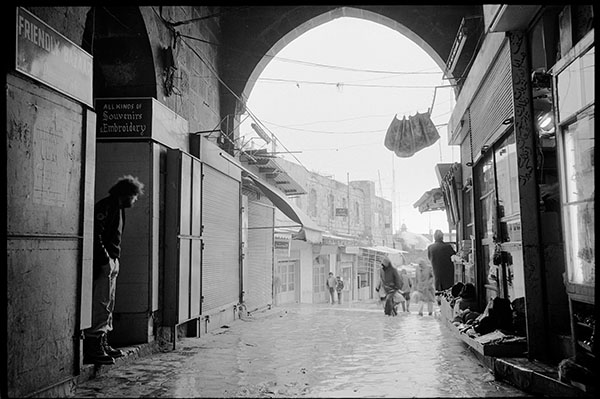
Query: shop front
50	142
574	86
369	264
506	243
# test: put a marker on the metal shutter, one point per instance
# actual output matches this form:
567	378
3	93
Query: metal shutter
259	260
221	221
466	154
492	104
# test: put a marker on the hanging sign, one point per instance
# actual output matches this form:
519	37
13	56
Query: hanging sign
341	211
47	56
124	117
282	246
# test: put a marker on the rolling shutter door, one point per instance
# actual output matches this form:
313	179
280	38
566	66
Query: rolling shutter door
259	261
492	104
221	260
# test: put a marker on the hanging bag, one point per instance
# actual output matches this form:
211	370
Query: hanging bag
407	136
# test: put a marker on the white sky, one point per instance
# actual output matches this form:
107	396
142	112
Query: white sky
340	129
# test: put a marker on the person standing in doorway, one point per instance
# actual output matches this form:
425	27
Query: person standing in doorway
439	254
109	221
339	288
331	284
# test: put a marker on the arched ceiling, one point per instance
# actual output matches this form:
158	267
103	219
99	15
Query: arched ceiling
123	62
250	33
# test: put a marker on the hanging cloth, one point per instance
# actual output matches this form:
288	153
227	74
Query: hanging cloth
406	137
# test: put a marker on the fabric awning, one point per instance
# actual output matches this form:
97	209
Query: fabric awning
313	233
396	256
432	200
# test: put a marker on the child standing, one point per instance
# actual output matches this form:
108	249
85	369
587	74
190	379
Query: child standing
339	288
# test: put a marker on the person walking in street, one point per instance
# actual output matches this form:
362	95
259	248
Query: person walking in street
109	222
439	254
391	282
339	288
424	290
331	284
406	289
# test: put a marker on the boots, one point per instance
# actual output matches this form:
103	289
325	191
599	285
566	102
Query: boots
94	353
110	351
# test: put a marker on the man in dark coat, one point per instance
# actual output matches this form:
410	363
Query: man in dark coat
439	254
109	221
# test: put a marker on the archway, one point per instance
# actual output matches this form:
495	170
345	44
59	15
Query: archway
251	33
123	61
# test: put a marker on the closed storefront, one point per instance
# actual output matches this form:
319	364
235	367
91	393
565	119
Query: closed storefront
221	221
258	261
50	180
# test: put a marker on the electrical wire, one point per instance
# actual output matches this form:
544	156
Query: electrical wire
213	70
218	14
312	64
339	84
256	119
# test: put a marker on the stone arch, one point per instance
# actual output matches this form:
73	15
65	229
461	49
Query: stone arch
123	61
328	17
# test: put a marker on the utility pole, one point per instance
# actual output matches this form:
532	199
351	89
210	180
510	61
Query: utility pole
395	203
348	200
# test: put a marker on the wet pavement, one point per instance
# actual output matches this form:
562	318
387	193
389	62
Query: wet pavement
348	350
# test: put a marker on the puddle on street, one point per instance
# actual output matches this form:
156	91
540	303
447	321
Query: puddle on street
311	351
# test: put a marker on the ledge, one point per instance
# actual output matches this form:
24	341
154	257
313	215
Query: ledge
486	345
527	375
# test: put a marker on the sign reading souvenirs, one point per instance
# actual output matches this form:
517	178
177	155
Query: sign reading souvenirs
124	117
47	56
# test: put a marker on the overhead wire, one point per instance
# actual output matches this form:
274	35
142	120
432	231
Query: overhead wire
337	84
256	119
292	126
313	64
179	36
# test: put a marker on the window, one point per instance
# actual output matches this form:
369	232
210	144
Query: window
287	274
577	159
331	206
356	213
500	219
312	203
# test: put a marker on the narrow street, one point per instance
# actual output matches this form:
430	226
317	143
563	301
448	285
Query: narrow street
348	350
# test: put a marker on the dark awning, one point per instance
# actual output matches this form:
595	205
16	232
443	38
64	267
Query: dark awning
312	231
432	200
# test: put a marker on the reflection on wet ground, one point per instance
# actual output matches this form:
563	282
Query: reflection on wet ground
314	351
